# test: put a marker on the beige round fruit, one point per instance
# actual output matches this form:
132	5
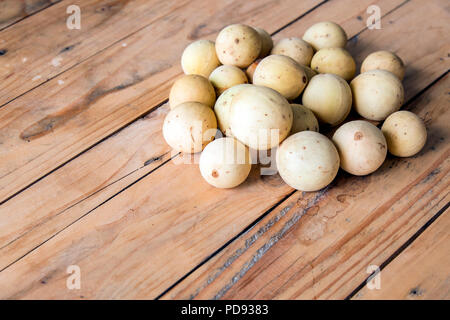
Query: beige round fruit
304	119
225	77
238	45
377	94
266	42
251	69
189	127
200	58
222	108
225	163
384	60
334	60
260	117
329	97
361	146
307	161
282	74
192	88
295	48
405	133
325	35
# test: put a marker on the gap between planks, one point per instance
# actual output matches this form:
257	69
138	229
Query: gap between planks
408	243
67	45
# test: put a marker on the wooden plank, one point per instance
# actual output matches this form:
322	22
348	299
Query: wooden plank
206	234
65	196
42	47
35	221
58	120
12	11
319	245
419	272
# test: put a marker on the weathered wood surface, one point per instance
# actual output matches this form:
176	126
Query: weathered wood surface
53	123
40	220
41	47
12	11
122	246
111	168
421	271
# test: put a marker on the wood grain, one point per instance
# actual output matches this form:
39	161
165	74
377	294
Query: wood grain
419	272
144	239
97	175
181	215
41	47
53	123
319	245
12	11
55	202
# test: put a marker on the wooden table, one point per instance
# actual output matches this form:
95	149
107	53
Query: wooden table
86	179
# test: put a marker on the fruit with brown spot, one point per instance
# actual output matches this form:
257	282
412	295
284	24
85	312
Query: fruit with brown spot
362	147
238	45
282	74
225	163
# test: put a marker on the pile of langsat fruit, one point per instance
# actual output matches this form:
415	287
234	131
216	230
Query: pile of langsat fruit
315	69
